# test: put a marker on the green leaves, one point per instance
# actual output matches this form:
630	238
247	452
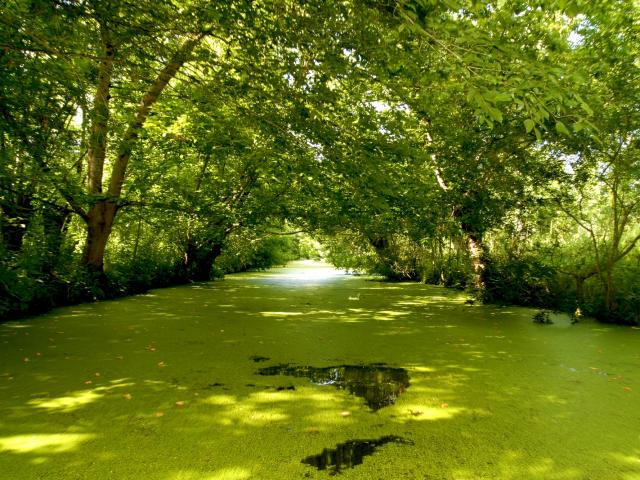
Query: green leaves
562	129
529	124
329	113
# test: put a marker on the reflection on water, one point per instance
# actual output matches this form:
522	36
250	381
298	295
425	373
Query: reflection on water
349	454
377	384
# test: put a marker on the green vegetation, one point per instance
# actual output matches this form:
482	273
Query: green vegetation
165	386
478	144
488	146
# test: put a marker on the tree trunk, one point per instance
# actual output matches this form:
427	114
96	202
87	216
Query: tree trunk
580	279
102	214
478	261
144	109
99	224
382	247
97	148
199	260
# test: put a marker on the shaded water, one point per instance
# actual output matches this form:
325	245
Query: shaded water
379	385
163	386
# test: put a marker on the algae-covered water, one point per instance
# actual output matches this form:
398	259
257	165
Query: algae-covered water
273	375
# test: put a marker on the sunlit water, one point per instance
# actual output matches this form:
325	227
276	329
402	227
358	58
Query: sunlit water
167	386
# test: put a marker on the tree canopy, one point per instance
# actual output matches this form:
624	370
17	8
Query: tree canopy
487	144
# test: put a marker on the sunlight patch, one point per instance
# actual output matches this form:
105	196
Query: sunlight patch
632	460
420	412
547	468
76	400
251	415
44	443
422	369
66	404
221	400
232	473
280	314
318	274
388	315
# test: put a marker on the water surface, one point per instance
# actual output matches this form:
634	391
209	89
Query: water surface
166	386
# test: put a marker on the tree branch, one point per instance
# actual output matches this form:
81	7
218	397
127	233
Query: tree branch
150	98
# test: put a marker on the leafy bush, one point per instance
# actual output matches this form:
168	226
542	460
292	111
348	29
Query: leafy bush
521	281
542	317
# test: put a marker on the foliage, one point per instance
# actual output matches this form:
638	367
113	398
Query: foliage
151	143
244	253
524	281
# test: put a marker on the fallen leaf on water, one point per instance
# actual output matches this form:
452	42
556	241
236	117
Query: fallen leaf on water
127	396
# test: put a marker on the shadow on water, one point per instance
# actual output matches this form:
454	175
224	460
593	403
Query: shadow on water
379	385
258	358
349	454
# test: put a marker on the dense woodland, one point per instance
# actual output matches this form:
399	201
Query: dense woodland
492	145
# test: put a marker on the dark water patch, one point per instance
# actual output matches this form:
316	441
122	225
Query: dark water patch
258	358
214	385
378	384
282	388
349	454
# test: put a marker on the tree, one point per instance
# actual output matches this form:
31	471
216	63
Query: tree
605	198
